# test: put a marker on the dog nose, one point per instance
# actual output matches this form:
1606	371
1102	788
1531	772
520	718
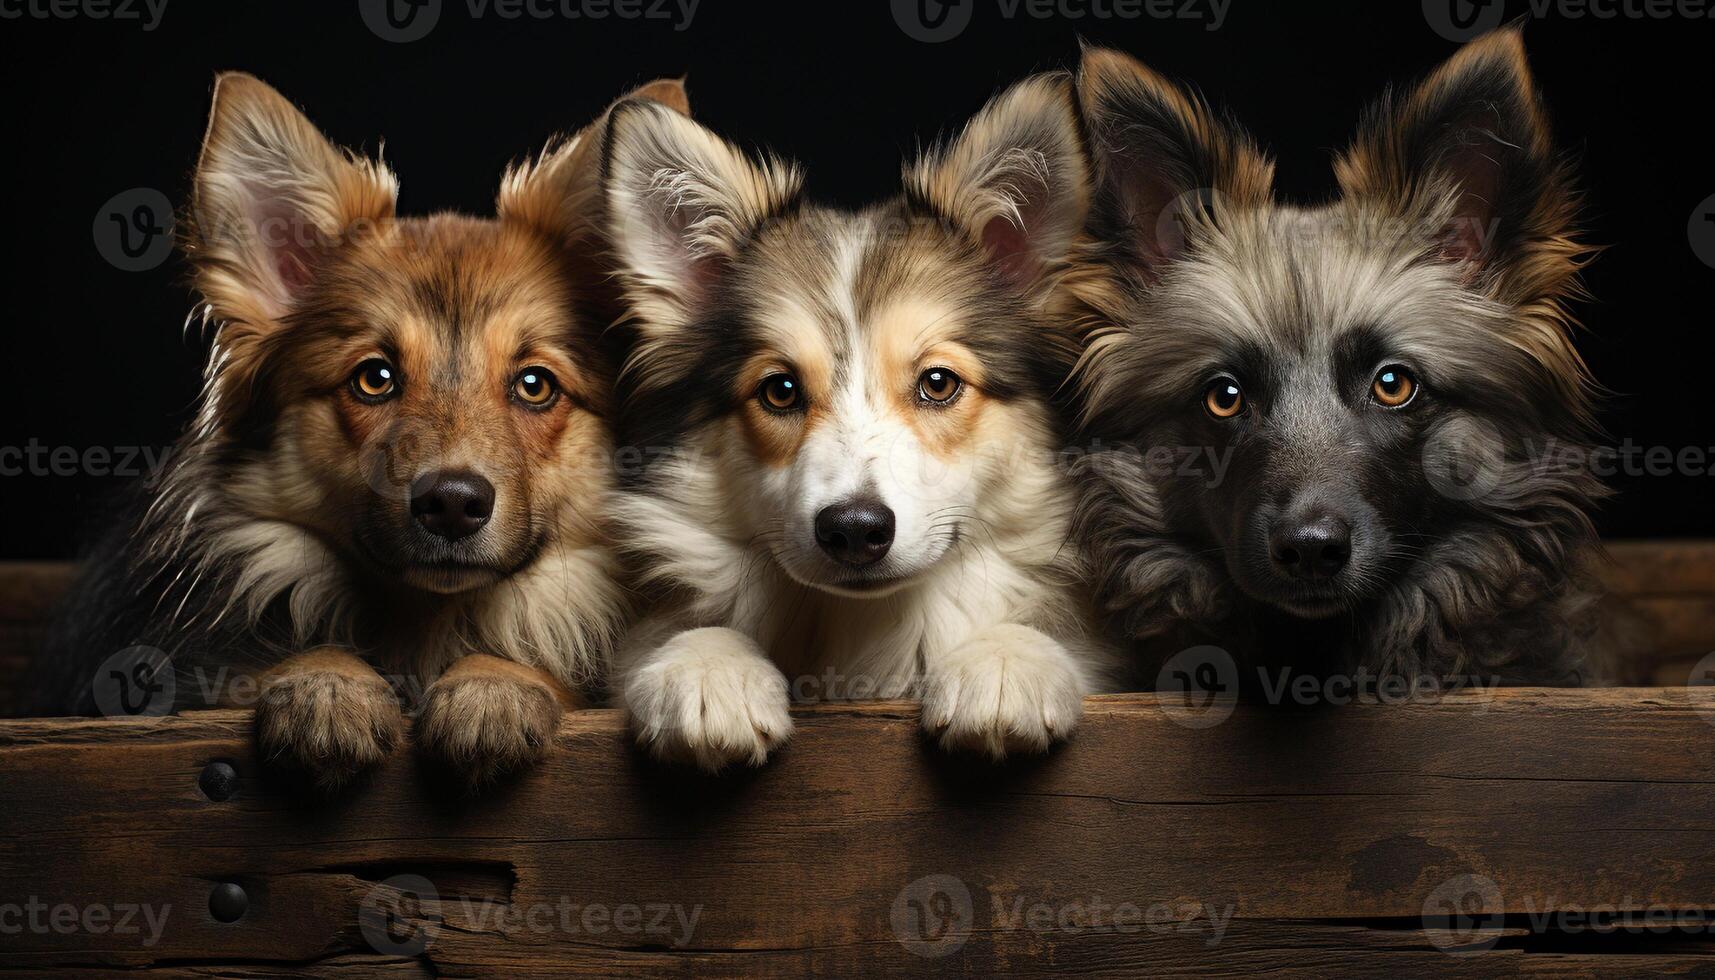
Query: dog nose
1312	550
452	505
856	532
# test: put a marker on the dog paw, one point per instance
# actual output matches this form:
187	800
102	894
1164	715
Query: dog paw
484	724
329	719
710	697
1005	691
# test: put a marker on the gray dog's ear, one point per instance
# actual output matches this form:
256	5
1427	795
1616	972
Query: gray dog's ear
1162	158
1470	150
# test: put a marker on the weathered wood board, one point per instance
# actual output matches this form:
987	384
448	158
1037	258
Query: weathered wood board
1278	841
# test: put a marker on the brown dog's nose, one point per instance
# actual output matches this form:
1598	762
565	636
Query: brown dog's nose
856	532
452	505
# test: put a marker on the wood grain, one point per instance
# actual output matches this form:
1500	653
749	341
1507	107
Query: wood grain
1327	835
1323	833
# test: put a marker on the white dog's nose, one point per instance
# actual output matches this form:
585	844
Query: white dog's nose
855	532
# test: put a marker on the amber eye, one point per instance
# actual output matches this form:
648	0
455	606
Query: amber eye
939	386
535	387
780	393
1224	399
1394	388
375	380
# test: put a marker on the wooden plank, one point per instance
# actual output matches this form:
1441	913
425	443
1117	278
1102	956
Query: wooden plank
29	589
1661	567
1324	835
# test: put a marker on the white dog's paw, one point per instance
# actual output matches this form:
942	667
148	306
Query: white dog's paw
710	697
1006	690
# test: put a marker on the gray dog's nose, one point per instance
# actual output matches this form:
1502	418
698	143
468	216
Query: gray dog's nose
1312	550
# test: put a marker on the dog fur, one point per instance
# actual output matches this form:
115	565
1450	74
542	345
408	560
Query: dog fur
282	542
733	279
1452	249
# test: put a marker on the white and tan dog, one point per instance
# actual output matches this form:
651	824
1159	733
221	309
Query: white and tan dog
844	422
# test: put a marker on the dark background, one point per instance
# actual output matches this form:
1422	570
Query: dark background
96	356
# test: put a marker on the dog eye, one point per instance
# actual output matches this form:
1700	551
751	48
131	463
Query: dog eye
780	393
1394	387
375	380
535	387
1224	399
939	386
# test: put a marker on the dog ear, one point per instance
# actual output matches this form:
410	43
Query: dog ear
1016	180
1471	147
271	196
559	192
1160	154
681	203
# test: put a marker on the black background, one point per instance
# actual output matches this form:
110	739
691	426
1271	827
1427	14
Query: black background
96	356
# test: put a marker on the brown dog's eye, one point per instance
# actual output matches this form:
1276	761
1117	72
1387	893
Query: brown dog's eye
1224	399
939	386
1394	387
535	387
780	393
375	380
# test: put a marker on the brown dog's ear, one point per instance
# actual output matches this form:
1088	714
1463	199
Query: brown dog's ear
1470	149
1016	180
560	191
271	196
1160	154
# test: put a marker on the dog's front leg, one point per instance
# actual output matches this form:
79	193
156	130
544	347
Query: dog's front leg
709	696
1006	689
328	713
486	717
